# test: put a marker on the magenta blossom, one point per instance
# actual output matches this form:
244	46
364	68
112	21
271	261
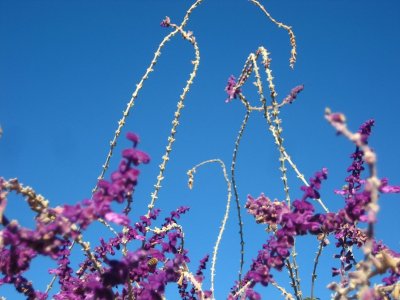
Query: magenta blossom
231	89
293	94
166	22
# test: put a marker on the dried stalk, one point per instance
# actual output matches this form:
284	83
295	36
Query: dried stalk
139	86
233	164
177	114
293	53
225	218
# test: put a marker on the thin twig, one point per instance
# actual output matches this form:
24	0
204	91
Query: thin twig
285	293
293	53
233	164
297	291
226	214
139	86
293	254
177	114
314	273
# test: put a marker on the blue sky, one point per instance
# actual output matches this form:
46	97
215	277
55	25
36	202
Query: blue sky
68	68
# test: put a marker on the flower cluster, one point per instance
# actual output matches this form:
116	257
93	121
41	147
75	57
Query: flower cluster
98	273
287	223
140	260
293	94
300	219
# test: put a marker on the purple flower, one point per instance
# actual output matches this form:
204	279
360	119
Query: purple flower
133	138
265	211
388	189
231	90
166	22
117	273
202	266
365	130
293	94
135	156
252	295
337	118
117	218
176	215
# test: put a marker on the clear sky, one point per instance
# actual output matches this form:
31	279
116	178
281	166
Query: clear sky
68	68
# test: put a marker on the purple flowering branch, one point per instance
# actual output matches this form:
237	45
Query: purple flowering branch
233	90
276	133
160	257
375	262
293	94
286	223
171	139
276	214
373	182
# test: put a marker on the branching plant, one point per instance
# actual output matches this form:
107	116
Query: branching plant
153	257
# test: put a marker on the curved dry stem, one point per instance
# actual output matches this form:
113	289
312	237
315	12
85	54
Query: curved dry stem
189	12
139	86
233	164
276	130
177	114
275	123
225	218
170	227
245	74
246	71
322	243
36	202
130	105
293	53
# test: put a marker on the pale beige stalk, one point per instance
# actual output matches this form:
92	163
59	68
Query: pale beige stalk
139	86
293	53
225	218
285	293
177	114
